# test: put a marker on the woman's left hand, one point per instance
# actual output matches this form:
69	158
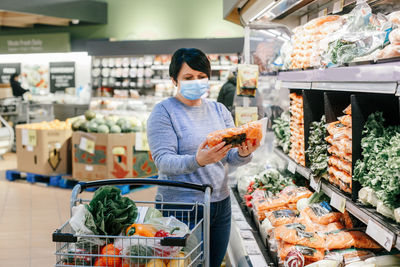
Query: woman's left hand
246	148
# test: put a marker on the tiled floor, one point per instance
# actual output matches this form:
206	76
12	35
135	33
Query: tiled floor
29	213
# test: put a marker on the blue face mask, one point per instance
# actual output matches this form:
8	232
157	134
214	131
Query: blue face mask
194	89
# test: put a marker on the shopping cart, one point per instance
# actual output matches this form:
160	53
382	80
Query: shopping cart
84	250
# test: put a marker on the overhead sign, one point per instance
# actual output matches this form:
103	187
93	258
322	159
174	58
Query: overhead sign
62	75
7	69
35	43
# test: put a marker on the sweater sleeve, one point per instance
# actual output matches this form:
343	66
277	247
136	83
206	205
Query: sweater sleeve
233	156
163	144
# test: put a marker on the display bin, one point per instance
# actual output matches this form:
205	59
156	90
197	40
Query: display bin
313	104
364	105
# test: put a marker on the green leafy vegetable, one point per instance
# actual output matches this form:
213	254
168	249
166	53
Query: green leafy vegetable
380	167
110	213
272	181
281	127
318	148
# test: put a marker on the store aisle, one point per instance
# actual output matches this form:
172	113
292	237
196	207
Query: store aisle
29	213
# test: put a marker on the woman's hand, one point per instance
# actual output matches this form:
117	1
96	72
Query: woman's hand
246	148
205	156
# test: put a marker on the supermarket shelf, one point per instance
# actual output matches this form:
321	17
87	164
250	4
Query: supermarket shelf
169	81
375	78
296	85
293	166
361	212
213	67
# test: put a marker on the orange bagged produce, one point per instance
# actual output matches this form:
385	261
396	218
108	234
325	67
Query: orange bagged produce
310	254
322	213
334	150
315	227
347	239
252	131
293	193
346	120
340	164
347	111
295	234
339	130
281	217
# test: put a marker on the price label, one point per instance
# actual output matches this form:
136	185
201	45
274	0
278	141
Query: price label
141	143
323	12
292	167
315	184
243	225
246	234
251	247
303	19
87	145
89	168
338	6
384	237
32	137
278	84
338	202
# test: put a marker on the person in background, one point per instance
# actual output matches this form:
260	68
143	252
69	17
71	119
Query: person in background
177	129
228	91
16	86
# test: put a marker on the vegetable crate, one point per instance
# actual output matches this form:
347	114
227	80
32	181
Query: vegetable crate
188	249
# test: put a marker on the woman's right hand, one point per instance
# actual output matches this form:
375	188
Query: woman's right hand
205	155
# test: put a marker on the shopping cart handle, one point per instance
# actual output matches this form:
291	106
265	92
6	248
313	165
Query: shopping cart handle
174	241
139	181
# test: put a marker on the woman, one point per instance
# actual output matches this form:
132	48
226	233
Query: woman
177	129
16	86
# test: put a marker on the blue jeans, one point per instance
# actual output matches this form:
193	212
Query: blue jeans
220	228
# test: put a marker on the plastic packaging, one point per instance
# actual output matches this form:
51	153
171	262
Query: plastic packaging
347	239
387	260
395	18
296	234
340	164
345	120
247	80
281	217
77	220
294	259
326	263
322	213
347	111
394	36
350	255
294	193
339	130
310	254
392	50
334	150
252	131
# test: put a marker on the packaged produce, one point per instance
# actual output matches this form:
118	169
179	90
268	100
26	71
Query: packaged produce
334	150
394	36
79	253
247	80
293	193
347	111
48	125
297	147
252	131
339	130
392	50
340	164
349	255
296	234
281	217
310	254
387	260
394	18
294	259
322	213
344	239
318	148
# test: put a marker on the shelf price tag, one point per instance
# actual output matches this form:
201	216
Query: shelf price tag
338	202
323	12
315	184
292	166
338	6
32	137
384	237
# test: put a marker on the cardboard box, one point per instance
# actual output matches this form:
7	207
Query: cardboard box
45	152
5	91
97	156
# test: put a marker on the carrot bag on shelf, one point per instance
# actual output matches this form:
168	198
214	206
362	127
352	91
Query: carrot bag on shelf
251	131
247	80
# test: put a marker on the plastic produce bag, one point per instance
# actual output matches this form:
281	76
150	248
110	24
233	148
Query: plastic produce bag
348	256
78	219
322	213
310	254
147	213
296	233
247	80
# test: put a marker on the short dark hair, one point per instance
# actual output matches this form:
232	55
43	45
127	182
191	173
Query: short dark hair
194	57
12	77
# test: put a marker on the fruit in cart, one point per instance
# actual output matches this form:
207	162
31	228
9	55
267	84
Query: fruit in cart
179	263
155	263
141	229
138	250
89	115
114	256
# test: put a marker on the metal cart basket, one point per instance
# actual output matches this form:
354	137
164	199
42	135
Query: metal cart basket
86	250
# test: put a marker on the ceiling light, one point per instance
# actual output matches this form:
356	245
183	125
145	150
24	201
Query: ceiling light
75	21
261	13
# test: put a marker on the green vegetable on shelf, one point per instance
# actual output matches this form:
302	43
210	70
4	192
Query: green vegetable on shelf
379	168
318	148
89	115
281	129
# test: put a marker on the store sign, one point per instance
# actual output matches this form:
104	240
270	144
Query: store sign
62	75
7	69
35	43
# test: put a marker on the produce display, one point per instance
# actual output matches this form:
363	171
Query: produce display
340	150
281	127
252	131
334	40
297	147
318	148
378	170
112	230
48	125
96	123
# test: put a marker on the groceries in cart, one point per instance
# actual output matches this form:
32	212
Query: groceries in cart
112	231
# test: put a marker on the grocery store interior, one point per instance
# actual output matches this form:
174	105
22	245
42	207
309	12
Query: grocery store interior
92	101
